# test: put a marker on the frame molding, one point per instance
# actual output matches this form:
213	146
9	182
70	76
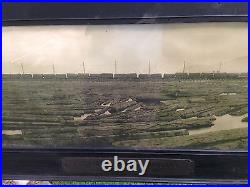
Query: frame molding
23	163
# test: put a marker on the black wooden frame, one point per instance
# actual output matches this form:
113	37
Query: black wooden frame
45	164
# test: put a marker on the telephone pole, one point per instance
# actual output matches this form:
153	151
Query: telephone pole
83	66
220	67
115	67
22	68
54	71
149	68
10	67
184	67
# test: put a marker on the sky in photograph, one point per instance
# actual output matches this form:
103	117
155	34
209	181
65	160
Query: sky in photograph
203	46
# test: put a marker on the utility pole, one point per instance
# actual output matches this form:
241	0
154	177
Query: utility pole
22	68
54	72
220	67
83	66
10	67
115	67
184	67
149	68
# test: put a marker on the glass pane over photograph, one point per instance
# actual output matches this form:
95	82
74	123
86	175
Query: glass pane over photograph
166	86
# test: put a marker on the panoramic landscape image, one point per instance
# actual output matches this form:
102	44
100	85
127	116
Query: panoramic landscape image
150	86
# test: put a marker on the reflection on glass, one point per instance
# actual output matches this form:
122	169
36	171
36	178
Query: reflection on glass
126	86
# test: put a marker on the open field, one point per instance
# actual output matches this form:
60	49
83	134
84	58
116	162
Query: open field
226	140
85	113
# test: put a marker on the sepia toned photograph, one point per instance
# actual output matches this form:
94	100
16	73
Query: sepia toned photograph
166	86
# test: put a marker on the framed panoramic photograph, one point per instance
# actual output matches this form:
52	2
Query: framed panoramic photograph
125	92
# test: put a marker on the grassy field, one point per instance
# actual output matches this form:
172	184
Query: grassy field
80	113
226	140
